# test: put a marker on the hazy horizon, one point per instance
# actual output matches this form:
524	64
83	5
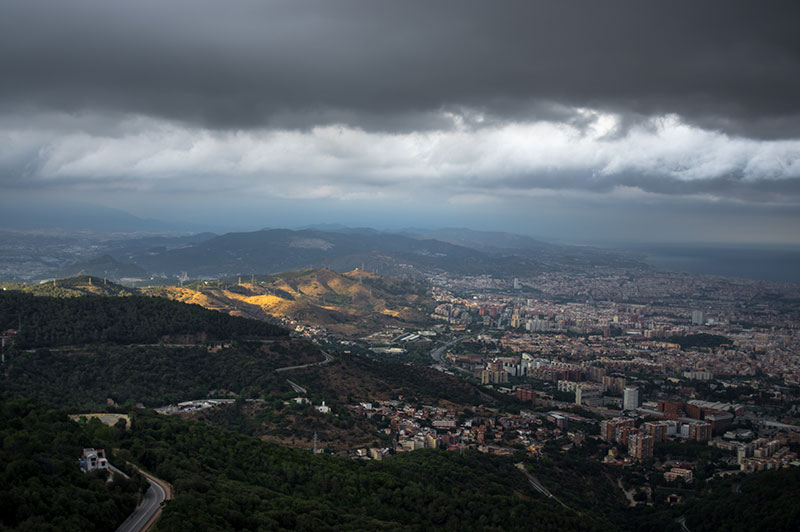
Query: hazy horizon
83	216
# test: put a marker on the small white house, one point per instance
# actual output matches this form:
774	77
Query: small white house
93	459
323	408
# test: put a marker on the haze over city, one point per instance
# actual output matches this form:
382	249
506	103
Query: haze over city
599	122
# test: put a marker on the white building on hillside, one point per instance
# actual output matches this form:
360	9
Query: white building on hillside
93	459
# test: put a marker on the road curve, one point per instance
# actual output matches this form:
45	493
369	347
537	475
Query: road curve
149	509
140	518
327	356
436	353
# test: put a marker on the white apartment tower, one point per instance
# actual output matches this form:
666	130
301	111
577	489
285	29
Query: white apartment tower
630	398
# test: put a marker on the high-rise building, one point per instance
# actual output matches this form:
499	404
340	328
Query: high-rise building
630	399
595	373
640	446
656	429
698	318
700	431
671	409
492	376
526	394
610	427
624	433
614	384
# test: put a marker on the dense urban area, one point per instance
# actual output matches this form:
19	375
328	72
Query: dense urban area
642	365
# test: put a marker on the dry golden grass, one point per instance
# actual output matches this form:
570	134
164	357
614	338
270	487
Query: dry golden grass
349	304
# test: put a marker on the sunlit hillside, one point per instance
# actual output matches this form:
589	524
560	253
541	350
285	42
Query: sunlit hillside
346	303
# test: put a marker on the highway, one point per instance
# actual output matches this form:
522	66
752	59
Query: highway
538	486
296	387
436	353
139	520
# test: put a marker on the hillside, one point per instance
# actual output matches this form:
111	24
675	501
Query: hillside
277	250
41	486
227	481
353	379
345	303
82	285
292	424
53	321
84	377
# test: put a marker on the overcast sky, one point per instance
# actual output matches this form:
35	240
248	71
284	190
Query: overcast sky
630	121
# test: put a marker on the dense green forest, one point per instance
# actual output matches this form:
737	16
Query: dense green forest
41	486
700	340
154	375
51	321
225	480
287	422
228	481
84	377
355	378
764	501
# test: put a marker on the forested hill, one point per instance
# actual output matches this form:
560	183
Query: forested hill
50	321
226	481
41	486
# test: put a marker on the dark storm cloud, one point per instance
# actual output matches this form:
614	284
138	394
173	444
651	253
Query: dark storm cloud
391	66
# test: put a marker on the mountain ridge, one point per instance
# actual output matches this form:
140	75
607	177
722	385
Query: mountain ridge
278	250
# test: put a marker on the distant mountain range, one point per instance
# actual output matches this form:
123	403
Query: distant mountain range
104	266
211	256
492	241
454	251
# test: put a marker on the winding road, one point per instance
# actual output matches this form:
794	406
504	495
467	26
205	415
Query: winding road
149	509
328	358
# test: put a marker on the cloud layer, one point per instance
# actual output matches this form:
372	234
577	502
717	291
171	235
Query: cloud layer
468	103
661	156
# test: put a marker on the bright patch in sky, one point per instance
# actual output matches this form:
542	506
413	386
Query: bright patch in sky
662	155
